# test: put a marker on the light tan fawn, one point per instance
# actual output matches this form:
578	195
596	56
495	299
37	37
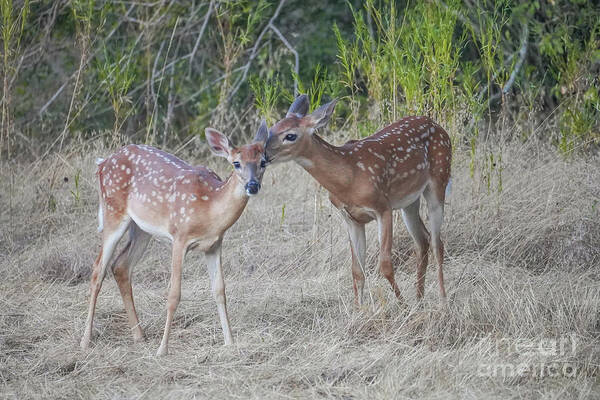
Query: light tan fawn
369	178
152	193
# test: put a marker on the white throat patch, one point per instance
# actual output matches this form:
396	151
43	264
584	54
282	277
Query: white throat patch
304	162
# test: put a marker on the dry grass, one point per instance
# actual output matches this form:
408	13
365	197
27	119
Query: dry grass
521	271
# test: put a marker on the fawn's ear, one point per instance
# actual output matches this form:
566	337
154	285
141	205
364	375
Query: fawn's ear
299	107
262	134
218	143
320	117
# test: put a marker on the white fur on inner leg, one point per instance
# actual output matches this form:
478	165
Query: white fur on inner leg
100	218
448	189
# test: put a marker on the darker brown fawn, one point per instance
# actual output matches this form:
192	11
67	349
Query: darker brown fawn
148	192
369	178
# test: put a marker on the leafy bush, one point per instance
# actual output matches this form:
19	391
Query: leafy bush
160	72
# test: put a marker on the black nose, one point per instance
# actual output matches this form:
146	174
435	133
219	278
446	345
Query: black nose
252	187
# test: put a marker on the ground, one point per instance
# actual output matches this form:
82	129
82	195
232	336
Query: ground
522	274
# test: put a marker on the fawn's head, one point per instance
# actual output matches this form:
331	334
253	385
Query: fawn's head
248	161
291	135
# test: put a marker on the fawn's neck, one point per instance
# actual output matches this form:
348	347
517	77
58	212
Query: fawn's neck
230	200
328	164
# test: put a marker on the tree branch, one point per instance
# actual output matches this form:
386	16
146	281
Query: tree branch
296	58
74	74
254	51
513	75
519	64
201	33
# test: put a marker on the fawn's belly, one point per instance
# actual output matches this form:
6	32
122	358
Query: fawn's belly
147	226
406	199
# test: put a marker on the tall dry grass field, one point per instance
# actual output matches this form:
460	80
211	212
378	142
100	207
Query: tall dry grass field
522	274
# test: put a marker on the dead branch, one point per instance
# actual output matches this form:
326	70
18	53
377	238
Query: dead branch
513	75
254	52
294	52
92	56
201	33
519	64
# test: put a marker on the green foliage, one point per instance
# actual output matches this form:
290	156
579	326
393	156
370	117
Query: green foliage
347	56
578	90
320	84
488	37
12	29
76	191
12	25
400	64
116	76
83	14
51	204
145	68
266	95
492	172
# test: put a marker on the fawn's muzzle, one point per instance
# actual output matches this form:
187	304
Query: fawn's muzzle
252	187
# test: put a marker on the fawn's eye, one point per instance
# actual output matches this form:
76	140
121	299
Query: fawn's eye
263	163
236	164
290	137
